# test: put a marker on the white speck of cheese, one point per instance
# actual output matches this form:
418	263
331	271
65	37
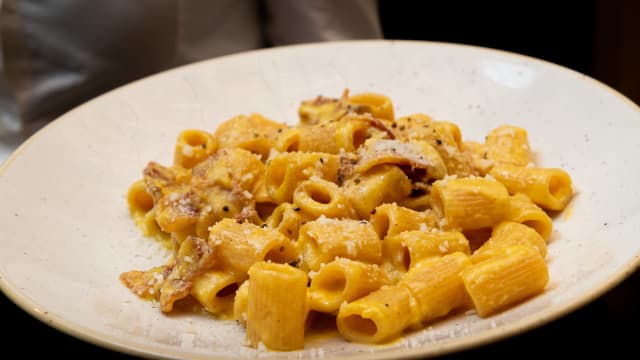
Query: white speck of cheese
187	151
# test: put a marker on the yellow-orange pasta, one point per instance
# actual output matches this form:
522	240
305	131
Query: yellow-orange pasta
241	303
322	240
509	233
470	203
508	145
379	185
318	197
419	245
436	285
549	188
192	147
377	317
343	280
523	210
378	105
286	171
287	218
215	290
390	219
238	246
514	274
276	306
254	133
346	134
376	223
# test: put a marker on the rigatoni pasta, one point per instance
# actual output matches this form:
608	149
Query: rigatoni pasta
383	223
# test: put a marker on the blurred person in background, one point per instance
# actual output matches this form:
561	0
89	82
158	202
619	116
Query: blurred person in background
59	54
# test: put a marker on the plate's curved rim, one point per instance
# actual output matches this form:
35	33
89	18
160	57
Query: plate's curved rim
492	335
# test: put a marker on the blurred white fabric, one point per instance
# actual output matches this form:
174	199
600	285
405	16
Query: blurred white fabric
59	54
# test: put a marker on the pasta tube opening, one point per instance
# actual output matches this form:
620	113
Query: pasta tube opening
138	198
228	290
360	326
195	138
193	146
559	189
280	252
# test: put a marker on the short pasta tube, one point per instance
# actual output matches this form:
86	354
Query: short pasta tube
140	204
287	218
238	246
436	285
346	134
322	240
469	203
254	133
193	146
378	105
478	155
549	188
408	248
318	197
390	219
381	184
509	233
343	280
378	317
139	200
418	202
522	210
277	306
322	109
516	273
216	290
508	144
288	140
241	303
286	170
444	136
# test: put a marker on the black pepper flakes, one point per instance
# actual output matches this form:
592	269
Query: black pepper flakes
438	141
401	128
204	146
296	209
255	135
225	208
356	180
263	226
322	160
280	130
386	305
373	212
394	125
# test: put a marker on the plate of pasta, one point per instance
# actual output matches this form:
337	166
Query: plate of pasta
358	199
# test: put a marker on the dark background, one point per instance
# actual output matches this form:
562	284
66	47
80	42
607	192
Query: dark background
598	38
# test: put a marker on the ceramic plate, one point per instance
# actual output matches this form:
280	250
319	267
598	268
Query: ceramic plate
66	234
